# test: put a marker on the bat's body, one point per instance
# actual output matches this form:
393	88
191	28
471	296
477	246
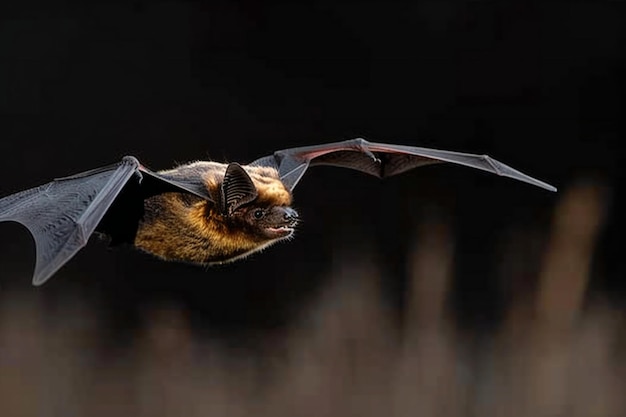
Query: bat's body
203	212
179	226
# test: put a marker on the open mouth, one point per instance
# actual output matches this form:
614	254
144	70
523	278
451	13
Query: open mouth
280	231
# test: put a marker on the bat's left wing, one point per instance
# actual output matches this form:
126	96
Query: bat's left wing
380	159
62	215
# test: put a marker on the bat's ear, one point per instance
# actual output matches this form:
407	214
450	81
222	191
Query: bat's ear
237	189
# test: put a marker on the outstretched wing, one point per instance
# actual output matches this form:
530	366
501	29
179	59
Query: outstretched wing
63	214
380	160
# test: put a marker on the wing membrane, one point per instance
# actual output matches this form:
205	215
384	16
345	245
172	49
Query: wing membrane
381	160
63	214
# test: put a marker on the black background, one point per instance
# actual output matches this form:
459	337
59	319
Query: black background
538	85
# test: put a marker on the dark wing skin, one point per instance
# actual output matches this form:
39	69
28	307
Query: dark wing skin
379	159
63	214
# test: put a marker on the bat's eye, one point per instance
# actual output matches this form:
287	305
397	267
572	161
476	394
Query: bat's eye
258	213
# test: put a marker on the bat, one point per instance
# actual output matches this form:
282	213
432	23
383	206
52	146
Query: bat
203	212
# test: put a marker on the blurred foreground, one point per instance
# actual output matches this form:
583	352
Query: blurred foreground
556	352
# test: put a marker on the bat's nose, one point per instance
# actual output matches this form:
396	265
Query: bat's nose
290	214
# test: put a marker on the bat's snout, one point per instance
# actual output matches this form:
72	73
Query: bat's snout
290	214
280	223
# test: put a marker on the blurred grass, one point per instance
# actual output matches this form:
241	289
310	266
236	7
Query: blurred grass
554	354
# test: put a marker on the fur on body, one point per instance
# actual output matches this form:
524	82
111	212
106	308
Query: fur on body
183	227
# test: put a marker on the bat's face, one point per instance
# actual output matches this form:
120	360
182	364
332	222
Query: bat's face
255	202
263	223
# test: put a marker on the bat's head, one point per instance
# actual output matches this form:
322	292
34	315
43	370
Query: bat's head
256	204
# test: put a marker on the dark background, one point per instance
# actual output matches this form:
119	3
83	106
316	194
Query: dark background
538	85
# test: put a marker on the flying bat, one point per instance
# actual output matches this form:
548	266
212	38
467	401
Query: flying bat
203	212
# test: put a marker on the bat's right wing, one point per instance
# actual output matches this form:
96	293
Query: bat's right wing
63	214
380	160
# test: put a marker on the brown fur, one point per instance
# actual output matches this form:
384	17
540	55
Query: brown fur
186	228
